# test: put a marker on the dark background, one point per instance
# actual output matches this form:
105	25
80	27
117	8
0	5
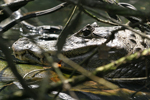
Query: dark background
60	17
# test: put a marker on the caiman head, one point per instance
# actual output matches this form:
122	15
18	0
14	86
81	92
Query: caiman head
80	45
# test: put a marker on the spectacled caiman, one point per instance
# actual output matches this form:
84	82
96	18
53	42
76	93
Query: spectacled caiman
80	45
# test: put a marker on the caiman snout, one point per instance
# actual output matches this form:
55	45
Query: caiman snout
26	50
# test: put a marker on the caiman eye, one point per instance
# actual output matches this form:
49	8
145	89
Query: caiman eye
86	32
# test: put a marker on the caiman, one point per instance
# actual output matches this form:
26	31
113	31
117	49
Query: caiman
82	43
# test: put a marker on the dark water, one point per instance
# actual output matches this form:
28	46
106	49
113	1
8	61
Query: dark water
60	17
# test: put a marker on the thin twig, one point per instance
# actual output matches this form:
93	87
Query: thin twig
14	70
87	73
100	71
85	60
112	8
124	26
60	44
98	19
7	9
39	70
31	15
63	33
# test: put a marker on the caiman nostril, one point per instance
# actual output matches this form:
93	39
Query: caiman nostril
133	41
138	49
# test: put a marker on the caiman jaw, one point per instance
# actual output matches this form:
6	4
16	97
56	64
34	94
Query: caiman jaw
22	51
28	56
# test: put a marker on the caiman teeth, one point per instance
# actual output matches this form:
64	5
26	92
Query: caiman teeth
31	58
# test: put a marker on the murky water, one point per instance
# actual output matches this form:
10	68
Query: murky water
60	17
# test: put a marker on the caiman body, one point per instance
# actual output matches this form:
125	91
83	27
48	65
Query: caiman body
81	44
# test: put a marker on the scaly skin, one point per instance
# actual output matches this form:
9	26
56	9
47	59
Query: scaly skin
80	45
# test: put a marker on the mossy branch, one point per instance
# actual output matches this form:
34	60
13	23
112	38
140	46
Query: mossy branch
124	60
102	70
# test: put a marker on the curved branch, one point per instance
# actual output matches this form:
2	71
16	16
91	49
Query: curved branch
12	67
100	71
32	15
7	9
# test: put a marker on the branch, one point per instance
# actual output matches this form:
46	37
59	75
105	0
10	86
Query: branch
102	70
12	67
109	7
7	9
96	18
32	15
